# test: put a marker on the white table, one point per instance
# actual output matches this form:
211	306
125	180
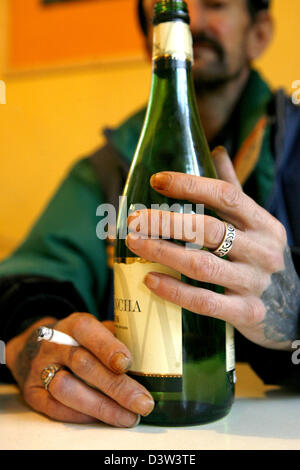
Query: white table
262	417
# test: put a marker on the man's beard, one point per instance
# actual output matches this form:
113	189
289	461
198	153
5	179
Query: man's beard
216	74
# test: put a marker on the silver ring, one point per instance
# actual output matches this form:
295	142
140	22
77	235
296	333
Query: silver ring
48	374
227	242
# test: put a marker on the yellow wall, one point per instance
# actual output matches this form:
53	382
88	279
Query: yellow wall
51	119
281	63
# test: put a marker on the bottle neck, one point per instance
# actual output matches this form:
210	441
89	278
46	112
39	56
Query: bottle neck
172	39
172	89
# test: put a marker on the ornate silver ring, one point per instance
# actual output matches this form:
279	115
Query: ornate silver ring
227	242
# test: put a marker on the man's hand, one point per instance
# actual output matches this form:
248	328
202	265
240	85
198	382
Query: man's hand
94	387
262	289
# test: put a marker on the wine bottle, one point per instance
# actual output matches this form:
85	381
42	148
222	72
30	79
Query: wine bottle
185	360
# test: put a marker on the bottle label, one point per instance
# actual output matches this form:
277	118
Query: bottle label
173	38
230	352
150	327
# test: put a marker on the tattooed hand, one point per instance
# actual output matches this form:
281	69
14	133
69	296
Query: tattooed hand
93	386
262	289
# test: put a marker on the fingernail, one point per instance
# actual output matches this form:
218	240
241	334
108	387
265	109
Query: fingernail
120	362
133	240
124	422
142	405
152	281
161	181
220	149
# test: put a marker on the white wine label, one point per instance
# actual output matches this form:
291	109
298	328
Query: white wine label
230	352
173	39
150	327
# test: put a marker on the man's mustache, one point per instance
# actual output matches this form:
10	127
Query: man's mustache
202	39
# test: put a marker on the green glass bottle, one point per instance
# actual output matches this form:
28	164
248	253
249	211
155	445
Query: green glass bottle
185	360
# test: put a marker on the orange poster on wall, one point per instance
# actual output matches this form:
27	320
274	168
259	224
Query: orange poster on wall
51	33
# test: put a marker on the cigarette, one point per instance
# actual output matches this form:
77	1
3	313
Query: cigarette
54	336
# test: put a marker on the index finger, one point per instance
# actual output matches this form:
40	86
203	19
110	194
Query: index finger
95	337
229	201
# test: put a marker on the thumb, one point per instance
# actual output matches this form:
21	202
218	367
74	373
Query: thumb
224	167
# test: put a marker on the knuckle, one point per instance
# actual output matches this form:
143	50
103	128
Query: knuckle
190	185
213	307
204	304
211	268
158	249
80	320
75	316
215	232
258	283
101	409
229	195
85	365
257	216
116	387
175	294
195	264
165	224
250	282
275	261
80	361
280	233
254	314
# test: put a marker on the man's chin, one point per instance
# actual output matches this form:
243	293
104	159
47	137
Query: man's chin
208	71
210	77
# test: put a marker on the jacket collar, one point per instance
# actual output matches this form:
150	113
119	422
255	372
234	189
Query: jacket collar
253	139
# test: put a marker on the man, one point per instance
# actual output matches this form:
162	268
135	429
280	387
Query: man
60	270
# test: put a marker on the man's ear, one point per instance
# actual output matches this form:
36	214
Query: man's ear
148	6
260	35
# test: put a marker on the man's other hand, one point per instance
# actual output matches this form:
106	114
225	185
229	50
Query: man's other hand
93	386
